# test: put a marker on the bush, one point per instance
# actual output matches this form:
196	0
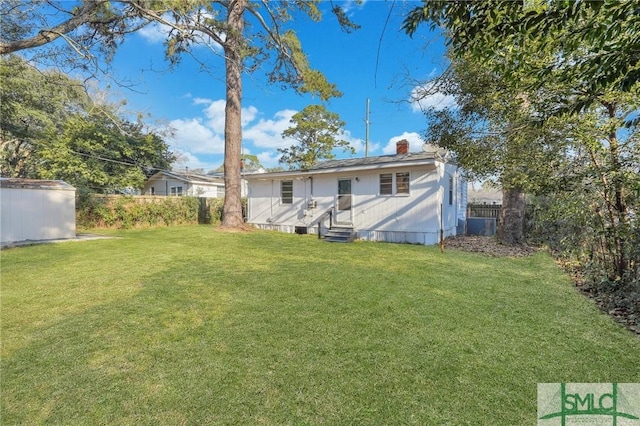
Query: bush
569	224
126	211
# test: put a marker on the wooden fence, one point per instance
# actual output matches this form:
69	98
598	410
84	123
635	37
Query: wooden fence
484	210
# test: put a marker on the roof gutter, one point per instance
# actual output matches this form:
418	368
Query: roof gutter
313	172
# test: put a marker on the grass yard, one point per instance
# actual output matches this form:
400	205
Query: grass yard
188	325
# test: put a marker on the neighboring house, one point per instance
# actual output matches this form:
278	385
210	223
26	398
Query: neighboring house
36	210
407	198
174	183
481	195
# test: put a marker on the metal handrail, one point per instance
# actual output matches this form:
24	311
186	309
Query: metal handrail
322	218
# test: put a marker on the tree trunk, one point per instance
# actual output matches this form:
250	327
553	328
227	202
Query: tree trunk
619	232
232	208
511	225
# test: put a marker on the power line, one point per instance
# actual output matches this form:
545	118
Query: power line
375	74
110	160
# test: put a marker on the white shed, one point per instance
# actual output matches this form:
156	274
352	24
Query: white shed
414	198
36	210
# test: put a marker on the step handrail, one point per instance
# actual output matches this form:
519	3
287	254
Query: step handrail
322	218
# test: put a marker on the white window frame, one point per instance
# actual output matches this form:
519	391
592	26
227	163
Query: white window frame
394	184
408	191
387	183
288	200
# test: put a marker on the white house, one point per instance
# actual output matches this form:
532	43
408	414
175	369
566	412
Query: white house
174	183
36	210
407	197
480	195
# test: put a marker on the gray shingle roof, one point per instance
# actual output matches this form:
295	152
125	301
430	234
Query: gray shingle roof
383	161
369	161
191	177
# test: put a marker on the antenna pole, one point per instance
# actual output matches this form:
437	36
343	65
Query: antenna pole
366	138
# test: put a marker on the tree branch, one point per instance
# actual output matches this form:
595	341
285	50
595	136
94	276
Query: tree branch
46	36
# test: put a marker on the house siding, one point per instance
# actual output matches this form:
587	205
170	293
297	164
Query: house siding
162	187
32	212
413	218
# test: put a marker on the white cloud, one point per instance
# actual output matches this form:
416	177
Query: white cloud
415	143
248	115
215	113
422	98
268	133
154	32
269	158
359	144
205	135
186	159
351	5
191	135
199	101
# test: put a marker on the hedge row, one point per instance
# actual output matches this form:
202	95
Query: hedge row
125	211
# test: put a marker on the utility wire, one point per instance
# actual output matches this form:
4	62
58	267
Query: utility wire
375	74
110	160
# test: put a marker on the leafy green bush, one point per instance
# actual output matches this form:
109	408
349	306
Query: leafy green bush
126	211
572	226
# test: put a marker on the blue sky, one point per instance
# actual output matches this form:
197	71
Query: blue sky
191	100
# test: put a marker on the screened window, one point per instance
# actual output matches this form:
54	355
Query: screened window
399	181
450	190
386	184
402	183
286	192
176	190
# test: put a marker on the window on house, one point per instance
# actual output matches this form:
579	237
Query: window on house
220	191
450	190
402	183
286	192
176	190
386	184
153	190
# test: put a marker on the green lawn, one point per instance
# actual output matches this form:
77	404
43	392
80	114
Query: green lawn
188	325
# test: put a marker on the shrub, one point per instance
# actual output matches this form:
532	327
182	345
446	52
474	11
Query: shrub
126	211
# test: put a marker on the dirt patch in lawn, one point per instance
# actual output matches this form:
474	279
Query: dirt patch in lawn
235	229
487	245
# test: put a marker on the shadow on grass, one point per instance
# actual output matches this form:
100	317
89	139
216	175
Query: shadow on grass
300	335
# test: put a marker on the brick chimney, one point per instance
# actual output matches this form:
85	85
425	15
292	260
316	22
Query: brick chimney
402	147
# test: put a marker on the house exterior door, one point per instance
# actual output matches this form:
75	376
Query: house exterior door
344	203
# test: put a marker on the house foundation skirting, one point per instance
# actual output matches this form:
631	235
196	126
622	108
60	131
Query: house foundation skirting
289	229
401	237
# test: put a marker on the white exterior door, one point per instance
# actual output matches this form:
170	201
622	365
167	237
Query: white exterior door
344	203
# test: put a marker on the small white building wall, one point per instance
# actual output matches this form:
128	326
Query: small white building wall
412	218
265	206
195	190
162	187
37	214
